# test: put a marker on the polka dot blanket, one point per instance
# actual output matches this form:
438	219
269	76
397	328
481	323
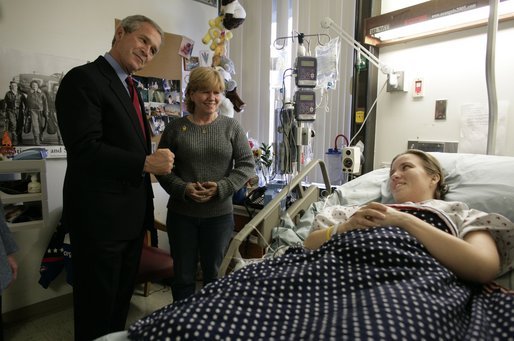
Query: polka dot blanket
367	284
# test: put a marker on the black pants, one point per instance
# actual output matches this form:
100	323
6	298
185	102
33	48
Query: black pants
190	238
104	275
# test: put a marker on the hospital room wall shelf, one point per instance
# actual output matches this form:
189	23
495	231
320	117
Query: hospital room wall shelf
13	171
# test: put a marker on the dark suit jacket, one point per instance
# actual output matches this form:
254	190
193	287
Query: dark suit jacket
105	195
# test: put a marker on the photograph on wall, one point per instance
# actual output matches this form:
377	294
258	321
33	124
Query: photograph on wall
28	84
191	63
141	84
186	47
162	101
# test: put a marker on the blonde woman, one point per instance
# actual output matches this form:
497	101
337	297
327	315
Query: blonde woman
213	160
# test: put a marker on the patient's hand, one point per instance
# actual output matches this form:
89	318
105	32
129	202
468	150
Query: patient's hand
394	217
370	215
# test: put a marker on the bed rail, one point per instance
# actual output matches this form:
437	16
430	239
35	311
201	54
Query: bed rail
269	216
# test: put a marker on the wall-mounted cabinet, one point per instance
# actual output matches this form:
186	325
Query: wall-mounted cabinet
23	210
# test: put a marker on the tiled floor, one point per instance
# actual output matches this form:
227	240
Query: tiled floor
58	326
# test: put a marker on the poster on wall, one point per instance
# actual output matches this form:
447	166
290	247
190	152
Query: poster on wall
28	84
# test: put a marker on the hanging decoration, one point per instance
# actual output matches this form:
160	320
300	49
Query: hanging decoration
217	36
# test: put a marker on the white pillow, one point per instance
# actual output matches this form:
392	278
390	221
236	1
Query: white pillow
484	182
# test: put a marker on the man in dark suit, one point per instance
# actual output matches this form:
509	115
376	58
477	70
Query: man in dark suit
107	194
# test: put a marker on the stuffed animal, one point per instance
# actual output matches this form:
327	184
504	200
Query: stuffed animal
7	150
237	102
233	14
226	107
217	36
226	68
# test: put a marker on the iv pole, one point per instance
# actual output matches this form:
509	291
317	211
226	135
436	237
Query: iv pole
492	27
392	77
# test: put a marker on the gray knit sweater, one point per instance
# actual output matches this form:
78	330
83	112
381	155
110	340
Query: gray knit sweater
216	152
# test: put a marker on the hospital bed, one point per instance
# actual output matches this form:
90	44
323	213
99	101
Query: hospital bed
324	294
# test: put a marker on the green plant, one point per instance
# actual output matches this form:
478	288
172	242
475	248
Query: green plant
266	158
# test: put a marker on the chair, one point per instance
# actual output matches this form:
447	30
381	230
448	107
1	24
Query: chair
156	264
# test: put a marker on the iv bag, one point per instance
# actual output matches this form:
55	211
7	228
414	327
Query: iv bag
328	64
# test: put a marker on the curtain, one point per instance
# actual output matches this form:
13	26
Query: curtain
250	50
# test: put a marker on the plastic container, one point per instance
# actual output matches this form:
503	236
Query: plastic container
334	162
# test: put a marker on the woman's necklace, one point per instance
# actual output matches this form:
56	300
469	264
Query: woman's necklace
211	119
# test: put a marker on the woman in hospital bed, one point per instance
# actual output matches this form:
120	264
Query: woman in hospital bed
411	270
417	181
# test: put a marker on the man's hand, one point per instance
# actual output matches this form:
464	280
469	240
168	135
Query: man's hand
160	162
14	267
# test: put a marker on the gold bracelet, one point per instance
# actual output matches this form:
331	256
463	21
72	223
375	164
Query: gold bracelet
329	232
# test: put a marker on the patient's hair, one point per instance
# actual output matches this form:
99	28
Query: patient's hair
203	78
432	167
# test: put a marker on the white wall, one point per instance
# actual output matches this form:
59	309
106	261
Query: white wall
453	68
81	30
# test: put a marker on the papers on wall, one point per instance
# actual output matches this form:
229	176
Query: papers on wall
474	128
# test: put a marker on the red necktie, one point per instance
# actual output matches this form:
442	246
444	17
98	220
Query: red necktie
135	102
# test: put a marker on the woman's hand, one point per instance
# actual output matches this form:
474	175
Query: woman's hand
197	192
201	192
370	215
473	258
211	189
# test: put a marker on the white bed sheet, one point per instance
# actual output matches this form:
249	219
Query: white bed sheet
117	336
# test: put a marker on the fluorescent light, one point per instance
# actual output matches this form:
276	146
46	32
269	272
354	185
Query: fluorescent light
455	16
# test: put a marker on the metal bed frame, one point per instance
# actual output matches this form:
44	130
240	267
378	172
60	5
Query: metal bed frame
270	215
